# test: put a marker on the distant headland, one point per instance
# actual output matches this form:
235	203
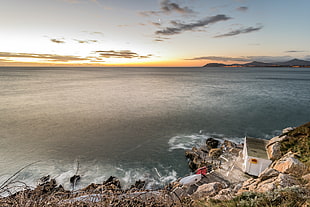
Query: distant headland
290	63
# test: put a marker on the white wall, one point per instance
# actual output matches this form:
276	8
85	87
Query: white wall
255	169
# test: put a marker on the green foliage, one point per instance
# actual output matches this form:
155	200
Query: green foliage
299	143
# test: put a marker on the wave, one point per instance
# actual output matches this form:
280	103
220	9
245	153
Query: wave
91	172
186	142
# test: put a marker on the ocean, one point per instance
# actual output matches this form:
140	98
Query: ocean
135	123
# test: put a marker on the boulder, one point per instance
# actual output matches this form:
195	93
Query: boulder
274	151
288	129
277	139
289	164
196	163
228	145
139	184
212	143
75	179
208	190
266	185
215	153
91	187
235	151
268	173
113	183
306	179
224	194
191	154
269	180
204	149
286	180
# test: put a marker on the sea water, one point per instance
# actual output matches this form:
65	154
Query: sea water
135	123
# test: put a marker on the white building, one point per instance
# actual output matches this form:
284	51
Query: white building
255	156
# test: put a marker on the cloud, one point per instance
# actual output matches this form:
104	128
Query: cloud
79	1
120	54
57	41
294	51
150	13
49	57
157	24
85	41
240	31
221	58
243	58
181	27
169	7
242	8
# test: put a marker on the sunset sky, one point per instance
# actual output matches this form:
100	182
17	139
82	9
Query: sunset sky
152	32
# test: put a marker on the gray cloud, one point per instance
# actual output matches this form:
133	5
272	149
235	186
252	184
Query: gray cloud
221	58
294	51
181	27
169	7
244	58
120	54
240	31
150	13
157	24
242	8
85	41
49	57
57	41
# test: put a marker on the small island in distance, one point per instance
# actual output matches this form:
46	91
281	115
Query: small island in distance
290	63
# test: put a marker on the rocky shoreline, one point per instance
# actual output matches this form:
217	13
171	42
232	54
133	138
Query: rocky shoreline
224	180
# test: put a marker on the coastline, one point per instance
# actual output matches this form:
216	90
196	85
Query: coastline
224	180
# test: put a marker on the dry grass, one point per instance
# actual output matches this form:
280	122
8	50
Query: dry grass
290	197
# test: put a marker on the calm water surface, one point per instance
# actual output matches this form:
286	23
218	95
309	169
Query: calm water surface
135	123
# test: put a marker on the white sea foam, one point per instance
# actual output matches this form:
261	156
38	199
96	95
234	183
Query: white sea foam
90	172
186	142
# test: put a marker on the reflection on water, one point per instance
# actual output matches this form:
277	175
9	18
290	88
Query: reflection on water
123	118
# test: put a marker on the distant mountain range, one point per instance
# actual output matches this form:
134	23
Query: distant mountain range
290	63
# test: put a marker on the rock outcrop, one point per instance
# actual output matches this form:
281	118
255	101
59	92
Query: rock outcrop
208	190
289	164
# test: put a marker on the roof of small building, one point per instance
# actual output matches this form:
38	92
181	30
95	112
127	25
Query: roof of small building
256	147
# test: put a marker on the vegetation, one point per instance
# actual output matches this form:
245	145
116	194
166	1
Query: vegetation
298	142
290	197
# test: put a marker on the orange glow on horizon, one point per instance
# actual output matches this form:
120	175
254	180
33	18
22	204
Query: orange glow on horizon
167	63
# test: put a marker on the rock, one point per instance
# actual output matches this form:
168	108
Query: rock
277	139
274	151
289	164
288	129
196	163
204	149
44	179
235	151
228	145
139	184
210	189
306	179
90	188
224	194
74	179
286	180
191	154
266	185
112	182
212	143
268	173
215	153
45	188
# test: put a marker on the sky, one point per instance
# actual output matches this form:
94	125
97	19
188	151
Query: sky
145	33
